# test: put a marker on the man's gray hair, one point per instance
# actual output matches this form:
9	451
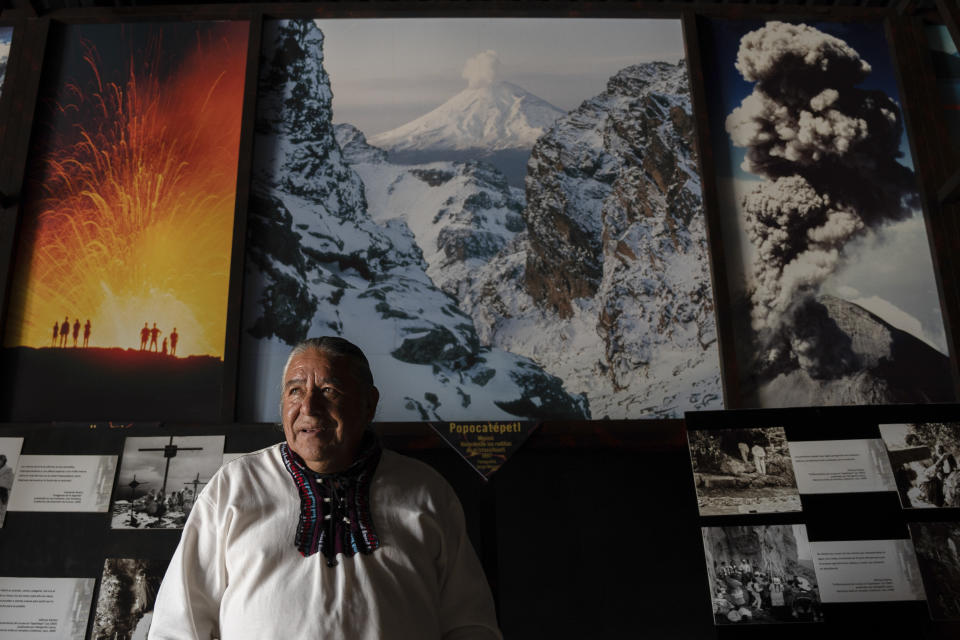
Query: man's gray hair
337	347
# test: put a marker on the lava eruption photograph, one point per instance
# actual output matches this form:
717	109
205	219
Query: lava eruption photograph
121	275
832	285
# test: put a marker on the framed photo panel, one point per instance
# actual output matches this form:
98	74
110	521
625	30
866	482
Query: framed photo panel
946	68
160	478
831	281
128	591
924	460
120	280
6	38
505	214
761	574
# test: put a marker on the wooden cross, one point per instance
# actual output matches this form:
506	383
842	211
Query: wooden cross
195	482
170	451
133	487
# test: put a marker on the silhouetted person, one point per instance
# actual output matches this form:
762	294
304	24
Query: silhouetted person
163	350
86	333
153	337
76	331
174	336
144	336
56	332
64	331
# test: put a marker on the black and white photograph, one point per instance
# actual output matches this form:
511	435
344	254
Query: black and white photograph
938	554
128	589
738	471
761	574
924	460
160	478
9	454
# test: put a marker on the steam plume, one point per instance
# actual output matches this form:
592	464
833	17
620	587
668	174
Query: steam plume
481	70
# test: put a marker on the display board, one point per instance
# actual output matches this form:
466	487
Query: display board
810	514
561	233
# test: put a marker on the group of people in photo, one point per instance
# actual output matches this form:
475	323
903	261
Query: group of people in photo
62	331
161	508
744	593
155	503
759	456
150	334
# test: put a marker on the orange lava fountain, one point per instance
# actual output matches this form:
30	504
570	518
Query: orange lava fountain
129	217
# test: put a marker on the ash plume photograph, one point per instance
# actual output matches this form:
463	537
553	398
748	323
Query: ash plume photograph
739	471
831	278
160	478
506	214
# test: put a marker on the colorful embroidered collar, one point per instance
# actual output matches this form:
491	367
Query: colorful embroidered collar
335	507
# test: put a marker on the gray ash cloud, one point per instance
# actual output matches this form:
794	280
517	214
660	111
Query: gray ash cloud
828	151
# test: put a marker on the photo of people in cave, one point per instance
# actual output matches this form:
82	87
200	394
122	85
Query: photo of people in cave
740	471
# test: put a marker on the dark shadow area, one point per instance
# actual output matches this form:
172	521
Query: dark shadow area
107	384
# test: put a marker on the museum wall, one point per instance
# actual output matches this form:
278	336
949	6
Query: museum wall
562	233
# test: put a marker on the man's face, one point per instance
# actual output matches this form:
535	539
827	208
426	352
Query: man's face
325	410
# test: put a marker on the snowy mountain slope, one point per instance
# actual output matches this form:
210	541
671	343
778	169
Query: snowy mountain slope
461	213
318	264
491	117
606	285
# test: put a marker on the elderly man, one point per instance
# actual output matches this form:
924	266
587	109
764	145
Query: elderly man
325	535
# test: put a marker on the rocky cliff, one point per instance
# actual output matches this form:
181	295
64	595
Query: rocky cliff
777	550
461	214
615	249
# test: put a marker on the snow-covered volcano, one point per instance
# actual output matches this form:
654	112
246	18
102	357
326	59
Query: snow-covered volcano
490	117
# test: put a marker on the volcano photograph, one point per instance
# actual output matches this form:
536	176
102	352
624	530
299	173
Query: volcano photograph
831	278
505	213
121	275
